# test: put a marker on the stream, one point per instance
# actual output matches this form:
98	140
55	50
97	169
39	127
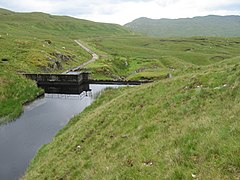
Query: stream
39	123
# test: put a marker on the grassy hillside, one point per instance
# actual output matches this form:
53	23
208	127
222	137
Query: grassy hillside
139	57
34	40
174	128
178	128
38	42
45	24
221	26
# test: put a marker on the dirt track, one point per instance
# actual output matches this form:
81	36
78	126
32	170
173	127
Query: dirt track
93	54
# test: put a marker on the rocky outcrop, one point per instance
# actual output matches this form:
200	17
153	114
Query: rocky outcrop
61	56
56	58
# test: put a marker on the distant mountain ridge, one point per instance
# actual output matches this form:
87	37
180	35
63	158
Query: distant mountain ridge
212	25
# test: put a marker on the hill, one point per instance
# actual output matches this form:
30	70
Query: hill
60	25
141	57
220	26
39	42
181	128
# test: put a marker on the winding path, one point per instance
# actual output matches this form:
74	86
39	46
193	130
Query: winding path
93	54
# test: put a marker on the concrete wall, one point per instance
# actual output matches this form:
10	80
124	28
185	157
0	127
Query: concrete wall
59	79
70	89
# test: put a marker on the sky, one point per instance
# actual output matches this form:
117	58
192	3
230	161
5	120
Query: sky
124	11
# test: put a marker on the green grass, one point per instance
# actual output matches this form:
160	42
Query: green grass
196	50
169	129
24	48
127	55
15	91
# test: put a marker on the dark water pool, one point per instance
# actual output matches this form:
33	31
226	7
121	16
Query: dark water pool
21	139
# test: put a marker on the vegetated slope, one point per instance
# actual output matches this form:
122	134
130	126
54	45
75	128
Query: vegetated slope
223	26
40	22
178	128
38	42
139	57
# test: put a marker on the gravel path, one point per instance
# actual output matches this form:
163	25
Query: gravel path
93	54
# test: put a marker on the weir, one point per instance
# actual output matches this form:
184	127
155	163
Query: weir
71	89
75	79
59	79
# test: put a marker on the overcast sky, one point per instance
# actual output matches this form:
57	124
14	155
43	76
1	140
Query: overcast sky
124	11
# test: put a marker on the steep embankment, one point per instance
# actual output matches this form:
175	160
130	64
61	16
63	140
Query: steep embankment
38	42
177	128
221	26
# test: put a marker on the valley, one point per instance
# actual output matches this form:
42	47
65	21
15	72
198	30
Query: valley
185	123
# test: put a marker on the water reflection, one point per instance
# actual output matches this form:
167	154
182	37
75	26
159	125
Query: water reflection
41	120
73	89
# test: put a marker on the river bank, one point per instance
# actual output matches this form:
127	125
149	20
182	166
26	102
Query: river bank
38	124
177	128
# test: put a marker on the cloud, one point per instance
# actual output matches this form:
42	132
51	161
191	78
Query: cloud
165	3
228	6
123	11
29	5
